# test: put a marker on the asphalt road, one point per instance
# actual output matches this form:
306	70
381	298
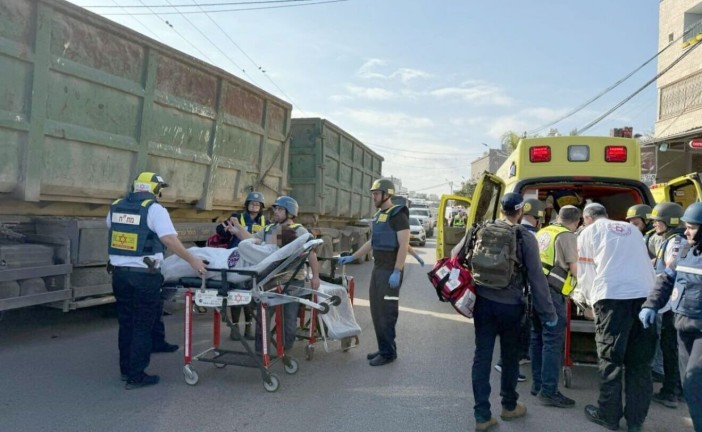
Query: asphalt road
59	372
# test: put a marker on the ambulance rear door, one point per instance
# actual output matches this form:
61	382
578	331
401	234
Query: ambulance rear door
684	190
448	236
486	199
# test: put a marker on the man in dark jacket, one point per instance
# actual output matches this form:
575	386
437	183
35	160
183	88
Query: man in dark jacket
500	312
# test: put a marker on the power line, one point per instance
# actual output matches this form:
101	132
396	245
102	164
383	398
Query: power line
225	10
628	98
205	56
148	29
409	151
193	5
214	45
260	68
608	89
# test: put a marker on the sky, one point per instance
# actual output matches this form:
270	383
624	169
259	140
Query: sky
429	85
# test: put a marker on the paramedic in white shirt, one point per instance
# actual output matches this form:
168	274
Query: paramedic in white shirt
614	277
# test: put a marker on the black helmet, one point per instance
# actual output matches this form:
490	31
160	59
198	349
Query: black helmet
667	212
254	197
383	185
533	207
638	211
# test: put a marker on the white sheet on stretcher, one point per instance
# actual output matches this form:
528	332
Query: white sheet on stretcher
253	257
340	320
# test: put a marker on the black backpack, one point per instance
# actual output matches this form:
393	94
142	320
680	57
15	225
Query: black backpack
491	254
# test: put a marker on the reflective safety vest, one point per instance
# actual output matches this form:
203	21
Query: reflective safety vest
555	275
459	221
129	233
384	238
251	225
686	298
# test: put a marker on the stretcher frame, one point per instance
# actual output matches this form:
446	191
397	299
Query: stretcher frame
314	329
268	288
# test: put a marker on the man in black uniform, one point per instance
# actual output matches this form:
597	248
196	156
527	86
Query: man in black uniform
390	243
499	312
140	230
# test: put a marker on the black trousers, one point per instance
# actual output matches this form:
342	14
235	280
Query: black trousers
384	306
669	347
138	297
690	353
624	350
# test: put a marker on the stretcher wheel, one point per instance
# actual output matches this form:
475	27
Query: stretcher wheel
272	384
324	308
567	376
191	376
335	300
309	352
291	367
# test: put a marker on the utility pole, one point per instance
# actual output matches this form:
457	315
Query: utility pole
450	183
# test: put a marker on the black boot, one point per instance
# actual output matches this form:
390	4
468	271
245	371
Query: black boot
248	331
234	333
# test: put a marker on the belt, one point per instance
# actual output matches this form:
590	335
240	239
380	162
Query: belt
136	270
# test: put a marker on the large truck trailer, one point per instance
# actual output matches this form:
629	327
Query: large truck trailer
87	104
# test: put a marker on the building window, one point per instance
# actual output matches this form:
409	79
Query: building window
671	37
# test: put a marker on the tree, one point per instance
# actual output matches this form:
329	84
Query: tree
509	141
466	190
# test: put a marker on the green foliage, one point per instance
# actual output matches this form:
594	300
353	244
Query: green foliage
466	190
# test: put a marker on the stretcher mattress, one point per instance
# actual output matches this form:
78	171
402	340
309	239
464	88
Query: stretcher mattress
174	268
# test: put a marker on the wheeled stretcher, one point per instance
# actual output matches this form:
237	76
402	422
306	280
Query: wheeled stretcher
267	284
337	325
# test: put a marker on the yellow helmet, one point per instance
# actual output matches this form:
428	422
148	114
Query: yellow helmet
149	182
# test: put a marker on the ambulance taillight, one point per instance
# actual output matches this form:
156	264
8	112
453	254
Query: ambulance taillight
615	154
540	154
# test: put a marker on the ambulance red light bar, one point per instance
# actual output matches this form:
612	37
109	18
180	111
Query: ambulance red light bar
540	154
615	154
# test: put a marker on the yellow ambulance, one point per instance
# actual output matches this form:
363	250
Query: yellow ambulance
558	170
683	190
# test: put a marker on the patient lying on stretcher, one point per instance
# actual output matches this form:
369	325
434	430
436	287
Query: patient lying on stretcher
250	252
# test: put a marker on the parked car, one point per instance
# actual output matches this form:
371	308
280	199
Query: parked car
425	217
417	233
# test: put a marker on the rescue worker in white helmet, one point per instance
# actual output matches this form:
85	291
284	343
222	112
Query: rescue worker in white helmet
140	230
670	234
637	215
253	220
681	284
285	210
390	244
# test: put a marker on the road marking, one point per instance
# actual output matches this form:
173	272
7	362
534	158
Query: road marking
449	316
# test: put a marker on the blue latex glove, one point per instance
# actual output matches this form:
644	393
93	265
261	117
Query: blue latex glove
419	259
394	280
344	260
647	316
551	323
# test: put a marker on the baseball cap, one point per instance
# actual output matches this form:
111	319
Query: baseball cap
511	201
